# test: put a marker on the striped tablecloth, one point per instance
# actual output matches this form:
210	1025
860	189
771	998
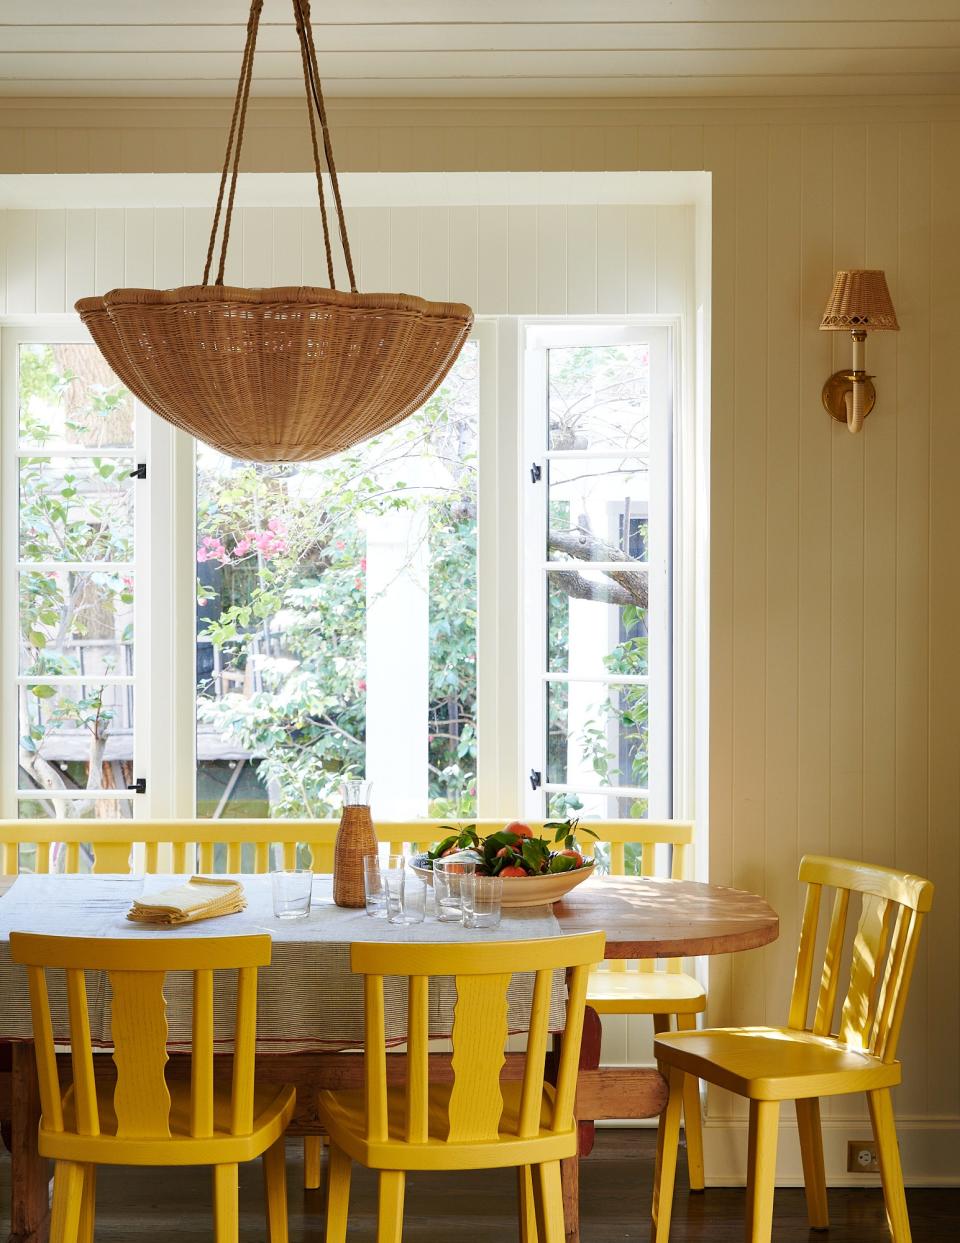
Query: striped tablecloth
308	998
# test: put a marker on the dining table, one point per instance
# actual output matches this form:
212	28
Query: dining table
306	1040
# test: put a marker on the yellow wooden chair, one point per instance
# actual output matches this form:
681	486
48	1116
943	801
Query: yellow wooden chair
134	1117
808	1058
475	1122
661	989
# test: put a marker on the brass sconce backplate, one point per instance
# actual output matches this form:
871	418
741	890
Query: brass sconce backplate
835	391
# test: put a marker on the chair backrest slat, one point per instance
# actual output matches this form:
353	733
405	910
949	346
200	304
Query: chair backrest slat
50	1098
201	1063
244	1052
479	1052
881	964
111	857
261	861
830	978
533	1071
141	1099
375	1057
570	1051
81	1054
418	1059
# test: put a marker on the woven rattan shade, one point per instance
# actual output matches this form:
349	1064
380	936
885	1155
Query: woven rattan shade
278	375
859	299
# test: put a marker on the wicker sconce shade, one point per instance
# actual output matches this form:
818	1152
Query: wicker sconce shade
859	299
278	375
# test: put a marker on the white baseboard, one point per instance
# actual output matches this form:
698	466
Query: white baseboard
929	1150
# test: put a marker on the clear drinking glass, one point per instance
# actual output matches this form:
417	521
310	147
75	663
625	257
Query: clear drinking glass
481	897
374	888
447	876
291	894
406	896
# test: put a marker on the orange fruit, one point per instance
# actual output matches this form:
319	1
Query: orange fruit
519	829
575	855
513	871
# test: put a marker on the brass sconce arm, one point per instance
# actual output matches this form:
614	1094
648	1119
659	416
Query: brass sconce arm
859	302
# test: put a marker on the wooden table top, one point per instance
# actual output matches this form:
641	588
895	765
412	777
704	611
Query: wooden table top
645	917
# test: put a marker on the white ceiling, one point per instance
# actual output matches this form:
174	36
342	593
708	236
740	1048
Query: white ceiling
487	47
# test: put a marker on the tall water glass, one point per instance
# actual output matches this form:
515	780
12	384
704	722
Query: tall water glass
447	877
406	896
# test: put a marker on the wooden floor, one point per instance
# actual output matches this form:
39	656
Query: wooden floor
157	1206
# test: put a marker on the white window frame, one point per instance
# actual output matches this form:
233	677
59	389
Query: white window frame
538	336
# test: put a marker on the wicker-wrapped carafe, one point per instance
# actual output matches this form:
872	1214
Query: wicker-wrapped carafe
356	840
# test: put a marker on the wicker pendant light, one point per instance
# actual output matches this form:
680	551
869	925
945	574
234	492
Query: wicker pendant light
278	375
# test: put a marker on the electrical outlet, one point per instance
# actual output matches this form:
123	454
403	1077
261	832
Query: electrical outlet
862	1157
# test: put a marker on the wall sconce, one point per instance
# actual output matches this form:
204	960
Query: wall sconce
859	303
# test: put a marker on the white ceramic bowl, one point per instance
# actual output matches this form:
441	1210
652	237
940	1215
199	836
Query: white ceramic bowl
529	890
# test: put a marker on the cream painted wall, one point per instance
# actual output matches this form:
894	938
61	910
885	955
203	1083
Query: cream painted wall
835	680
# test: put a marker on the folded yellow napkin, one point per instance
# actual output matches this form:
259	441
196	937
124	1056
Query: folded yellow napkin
201	897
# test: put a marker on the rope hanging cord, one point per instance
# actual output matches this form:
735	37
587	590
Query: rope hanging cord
231	159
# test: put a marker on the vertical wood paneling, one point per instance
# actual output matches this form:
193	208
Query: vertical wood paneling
912	777
252	236
782	603
434	250
21	262
673	259
581	260
196	238
81	255
641	259
287	254
612	260
720	158
880	513
168	247
464	276
750	359
110	258
404	249
846	586
493	286
138	247
51	261
551	260
522	260
943	1002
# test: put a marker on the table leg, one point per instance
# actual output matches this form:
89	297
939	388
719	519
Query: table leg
30	1174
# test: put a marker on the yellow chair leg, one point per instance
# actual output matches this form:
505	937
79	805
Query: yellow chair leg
551	1202
68	1181
891	1175
312	1161
338	1194
665	1171
88	1207
275	1188
811	1151
226	1209
528	1205
692	1129
390	1212
761	1169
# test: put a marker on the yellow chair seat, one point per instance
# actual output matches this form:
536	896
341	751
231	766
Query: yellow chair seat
343	1113
775	1063
272	1111
644	992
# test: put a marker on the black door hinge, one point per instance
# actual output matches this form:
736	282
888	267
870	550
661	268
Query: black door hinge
536	473
139	786
535	778
140	472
